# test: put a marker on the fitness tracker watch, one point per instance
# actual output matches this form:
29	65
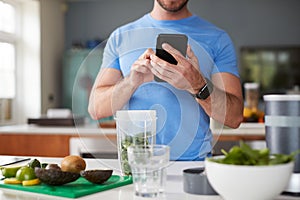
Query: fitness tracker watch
205	91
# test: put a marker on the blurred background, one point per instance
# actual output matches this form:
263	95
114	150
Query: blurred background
50	56
44	45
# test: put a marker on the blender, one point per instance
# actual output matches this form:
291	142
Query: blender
282	123
134	127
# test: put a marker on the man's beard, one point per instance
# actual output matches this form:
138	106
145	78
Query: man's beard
172	9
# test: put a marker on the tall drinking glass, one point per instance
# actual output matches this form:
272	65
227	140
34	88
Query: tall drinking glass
148	166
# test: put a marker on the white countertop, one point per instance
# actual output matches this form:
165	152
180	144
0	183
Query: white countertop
69	130
244	129
174	190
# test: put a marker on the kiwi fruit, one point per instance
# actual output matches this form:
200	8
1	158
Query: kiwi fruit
73	163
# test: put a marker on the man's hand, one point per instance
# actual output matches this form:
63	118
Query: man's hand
140	70
185	75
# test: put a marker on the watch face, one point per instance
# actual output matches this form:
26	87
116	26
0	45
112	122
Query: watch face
204	93
206	90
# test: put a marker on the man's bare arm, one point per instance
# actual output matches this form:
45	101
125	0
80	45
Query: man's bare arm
108	85
111	91
225	104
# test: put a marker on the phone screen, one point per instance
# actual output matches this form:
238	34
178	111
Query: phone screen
178	41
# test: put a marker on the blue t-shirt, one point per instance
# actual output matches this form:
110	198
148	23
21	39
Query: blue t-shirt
181	121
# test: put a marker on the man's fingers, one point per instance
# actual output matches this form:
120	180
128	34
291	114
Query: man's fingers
190	54
162	71
147	53
174	52
142	65
161	62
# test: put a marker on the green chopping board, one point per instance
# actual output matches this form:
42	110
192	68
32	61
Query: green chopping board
78	188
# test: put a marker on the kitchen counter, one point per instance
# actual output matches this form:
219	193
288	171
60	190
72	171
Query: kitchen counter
174	189
36	140
86	130
245	129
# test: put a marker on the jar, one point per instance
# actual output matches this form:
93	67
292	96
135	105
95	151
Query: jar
251	112
251	95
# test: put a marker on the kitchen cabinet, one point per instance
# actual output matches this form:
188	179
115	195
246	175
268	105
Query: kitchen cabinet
35	140
31	140
54	145
34	144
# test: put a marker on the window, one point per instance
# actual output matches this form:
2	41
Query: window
8	38
7	17
275	68
20	93
7	70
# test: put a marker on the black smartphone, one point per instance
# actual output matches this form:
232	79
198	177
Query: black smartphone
178	41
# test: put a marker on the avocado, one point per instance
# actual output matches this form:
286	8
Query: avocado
97	176
53	166
55	176
34	163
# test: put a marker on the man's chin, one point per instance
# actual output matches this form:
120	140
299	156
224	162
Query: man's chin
173	6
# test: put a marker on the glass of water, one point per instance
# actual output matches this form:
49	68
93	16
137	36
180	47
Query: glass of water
148	167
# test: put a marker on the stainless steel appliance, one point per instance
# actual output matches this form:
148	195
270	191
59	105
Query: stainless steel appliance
282	122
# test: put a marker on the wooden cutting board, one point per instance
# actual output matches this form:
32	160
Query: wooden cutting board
78	188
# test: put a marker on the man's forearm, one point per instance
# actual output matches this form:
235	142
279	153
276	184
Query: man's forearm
106	100
121	94
224	108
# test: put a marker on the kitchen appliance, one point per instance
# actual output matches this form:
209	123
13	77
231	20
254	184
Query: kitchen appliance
282	122
134	127
195	182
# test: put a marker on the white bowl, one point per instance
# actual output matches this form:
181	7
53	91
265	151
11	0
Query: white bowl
240	182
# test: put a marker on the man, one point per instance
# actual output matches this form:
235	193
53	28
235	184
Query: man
187	100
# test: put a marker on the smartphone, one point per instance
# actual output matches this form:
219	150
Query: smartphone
178	41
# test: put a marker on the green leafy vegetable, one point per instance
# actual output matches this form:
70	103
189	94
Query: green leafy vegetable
245	155
138	139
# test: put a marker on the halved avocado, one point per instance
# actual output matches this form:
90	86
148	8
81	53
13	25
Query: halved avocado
97	176
55	176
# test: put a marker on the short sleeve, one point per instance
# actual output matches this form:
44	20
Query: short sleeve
225	56
110	54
